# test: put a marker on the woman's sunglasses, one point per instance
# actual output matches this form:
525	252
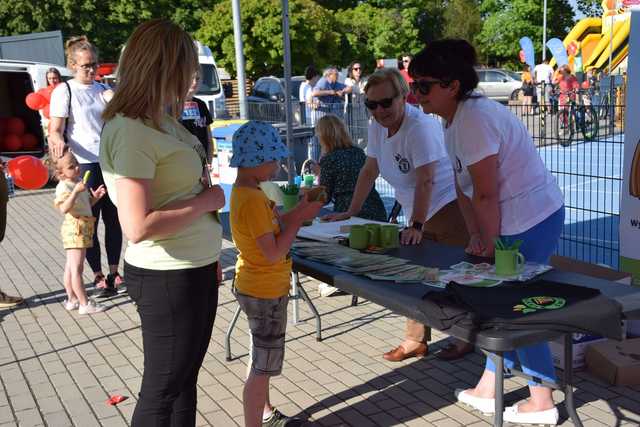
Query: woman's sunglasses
424	86
384	103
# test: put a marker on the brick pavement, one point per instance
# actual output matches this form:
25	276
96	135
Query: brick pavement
58	368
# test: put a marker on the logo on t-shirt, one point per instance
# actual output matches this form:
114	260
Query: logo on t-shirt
190	111
533	304
403	164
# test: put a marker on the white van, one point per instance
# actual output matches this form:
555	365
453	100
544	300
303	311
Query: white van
210	90
17	80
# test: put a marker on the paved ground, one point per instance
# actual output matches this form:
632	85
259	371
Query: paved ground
58	368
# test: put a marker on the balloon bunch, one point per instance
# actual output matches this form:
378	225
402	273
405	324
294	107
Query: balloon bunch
13	136
40	100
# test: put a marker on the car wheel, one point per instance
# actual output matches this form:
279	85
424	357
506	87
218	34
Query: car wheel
515	95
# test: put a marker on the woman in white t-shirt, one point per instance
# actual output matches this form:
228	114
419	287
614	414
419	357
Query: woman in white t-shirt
75	111
405	147
311	77
504	191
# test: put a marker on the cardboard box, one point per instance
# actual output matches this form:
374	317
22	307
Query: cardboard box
617	362
580	344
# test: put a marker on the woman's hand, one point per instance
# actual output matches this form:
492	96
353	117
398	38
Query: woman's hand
476	246
219	273
410	236
212	198
338	216
57	147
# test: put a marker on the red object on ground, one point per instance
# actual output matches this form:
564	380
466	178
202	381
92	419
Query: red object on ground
115	399
15	125
35	101
29	142
28	172
12	143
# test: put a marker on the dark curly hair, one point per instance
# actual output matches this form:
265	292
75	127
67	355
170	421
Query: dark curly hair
448	60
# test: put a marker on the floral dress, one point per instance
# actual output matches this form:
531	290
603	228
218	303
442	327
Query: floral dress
339	171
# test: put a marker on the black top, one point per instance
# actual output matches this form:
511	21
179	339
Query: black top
339	171
197	120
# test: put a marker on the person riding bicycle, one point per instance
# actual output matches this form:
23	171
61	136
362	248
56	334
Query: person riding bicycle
568	86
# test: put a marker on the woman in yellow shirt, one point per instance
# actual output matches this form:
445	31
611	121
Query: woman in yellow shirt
152	168
528	87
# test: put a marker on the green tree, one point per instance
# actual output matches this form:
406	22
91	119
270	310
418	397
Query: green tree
590	7
506	21
370	32
108	24
313	38
462	20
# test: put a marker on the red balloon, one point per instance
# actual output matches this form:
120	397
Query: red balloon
35	101
29	142
28	172
45	93
15	125
12	143
45	111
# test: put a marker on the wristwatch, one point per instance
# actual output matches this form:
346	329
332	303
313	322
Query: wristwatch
417	225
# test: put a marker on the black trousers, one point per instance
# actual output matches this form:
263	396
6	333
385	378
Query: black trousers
109	212
177	309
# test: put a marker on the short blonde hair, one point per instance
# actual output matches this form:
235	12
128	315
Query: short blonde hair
332	133
62	161
391	75
156	68
75	45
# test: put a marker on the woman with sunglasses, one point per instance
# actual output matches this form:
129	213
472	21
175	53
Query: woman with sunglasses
504	191
76	120
406	148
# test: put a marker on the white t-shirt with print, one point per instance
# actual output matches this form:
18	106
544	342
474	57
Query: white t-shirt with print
85	119
418	142
528	192
543	73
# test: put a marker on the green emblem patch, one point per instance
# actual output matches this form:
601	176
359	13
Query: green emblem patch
533	304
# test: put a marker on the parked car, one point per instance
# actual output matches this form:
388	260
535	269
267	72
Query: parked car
266	101
498	84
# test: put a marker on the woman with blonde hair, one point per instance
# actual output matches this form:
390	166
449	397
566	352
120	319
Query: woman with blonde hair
340	165
152	167
75	111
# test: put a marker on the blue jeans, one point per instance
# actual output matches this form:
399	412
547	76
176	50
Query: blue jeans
540	241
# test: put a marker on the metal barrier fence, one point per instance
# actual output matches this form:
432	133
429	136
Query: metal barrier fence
580	140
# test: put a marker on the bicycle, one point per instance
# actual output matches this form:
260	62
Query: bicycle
576	117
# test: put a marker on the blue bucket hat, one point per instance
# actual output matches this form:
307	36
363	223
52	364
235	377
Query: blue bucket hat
255	143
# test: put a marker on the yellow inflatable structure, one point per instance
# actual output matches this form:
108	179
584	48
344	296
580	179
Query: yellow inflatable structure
591	38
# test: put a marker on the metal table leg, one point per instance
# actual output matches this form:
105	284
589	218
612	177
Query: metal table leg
498	359
305	296
568	380
295	282
227	337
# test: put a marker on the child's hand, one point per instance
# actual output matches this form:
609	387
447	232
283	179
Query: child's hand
98	192
212	198
308	210
80	187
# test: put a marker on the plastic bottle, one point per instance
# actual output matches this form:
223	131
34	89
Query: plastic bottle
10	185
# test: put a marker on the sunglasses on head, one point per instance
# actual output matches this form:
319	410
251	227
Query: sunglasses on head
384	103
424	86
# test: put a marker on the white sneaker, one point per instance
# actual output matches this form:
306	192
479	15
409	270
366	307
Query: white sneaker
91	307
327	290
71	305
548	417
484	405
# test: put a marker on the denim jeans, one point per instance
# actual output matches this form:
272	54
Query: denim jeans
177	309
540	241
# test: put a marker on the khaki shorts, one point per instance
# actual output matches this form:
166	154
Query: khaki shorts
77	233
268	323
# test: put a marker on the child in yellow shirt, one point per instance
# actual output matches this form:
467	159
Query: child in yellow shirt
263	269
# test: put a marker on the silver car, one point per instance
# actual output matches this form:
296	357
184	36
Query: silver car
498	84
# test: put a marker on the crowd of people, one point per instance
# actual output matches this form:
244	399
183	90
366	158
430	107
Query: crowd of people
463	167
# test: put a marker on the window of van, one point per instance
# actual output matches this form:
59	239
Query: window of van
209	83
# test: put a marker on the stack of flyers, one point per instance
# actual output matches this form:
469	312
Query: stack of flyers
410	274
